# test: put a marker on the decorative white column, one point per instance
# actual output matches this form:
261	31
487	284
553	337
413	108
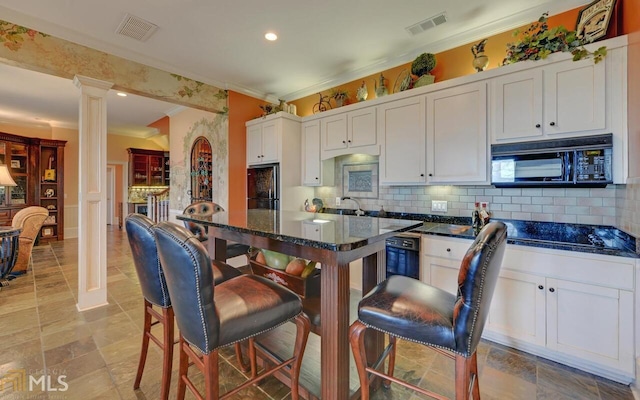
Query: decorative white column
92	193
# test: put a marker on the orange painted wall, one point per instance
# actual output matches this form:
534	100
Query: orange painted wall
630	16
242	108
451	63
162	125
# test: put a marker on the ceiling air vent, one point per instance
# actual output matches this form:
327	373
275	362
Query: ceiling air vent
136	28
427	24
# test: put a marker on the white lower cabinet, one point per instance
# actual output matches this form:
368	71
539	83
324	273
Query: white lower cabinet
574	308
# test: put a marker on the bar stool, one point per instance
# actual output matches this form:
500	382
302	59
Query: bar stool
408	309
211	317
154	290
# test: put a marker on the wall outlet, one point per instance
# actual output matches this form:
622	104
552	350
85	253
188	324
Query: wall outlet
438	205
338	201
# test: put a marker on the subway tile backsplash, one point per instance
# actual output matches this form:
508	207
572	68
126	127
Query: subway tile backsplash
615	205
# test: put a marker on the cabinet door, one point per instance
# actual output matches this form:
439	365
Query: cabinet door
590	322
402	136
518	307
156	172
140	170
254	144
517	106
270	143
457	135
361	128
441	273
334	132
574	97
311	163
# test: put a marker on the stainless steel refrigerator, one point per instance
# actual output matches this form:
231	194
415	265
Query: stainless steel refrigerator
262	187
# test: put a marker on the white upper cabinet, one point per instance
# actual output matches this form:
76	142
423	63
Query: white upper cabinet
263	142
349	133
566	97
457	135
315	171
402	136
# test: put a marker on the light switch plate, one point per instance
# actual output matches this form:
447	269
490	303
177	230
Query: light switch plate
438	205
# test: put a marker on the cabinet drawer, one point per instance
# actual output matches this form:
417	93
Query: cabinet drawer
5	217
452	249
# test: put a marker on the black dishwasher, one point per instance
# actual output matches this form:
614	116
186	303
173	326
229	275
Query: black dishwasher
403	256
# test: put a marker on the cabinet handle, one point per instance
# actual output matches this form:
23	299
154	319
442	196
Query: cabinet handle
537	125
552	124
540	287
552	290
448	250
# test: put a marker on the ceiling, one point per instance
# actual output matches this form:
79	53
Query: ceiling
320	45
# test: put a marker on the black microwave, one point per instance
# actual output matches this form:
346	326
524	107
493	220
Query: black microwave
572	162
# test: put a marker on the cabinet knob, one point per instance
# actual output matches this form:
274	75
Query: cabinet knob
316	178
552	290
448	250
348	141
344	141
540	287
552	124
422	175
430	174
537	125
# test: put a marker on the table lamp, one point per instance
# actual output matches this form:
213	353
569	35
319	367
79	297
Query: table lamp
5	176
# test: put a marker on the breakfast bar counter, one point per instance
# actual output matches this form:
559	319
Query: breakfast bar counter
330	239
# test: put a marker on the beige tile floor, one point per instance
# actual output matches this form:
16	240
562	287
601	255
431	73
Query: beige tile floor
97	351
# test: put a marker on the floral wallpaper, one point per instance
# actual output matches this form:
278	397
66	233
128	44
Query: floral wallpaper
38	51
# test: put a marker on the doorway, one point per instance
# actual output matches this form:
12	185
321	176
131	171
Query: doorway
111	189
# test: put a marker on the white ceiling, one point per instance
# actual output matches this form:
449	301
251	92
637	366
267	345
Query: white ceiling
321	44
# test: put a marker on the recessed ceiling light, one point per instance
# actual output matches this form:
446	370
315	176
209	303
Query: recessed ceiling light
121	94
270	36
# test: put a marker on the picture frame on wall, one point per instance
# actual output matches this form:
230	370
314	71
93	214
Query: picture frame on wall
593	20
15	163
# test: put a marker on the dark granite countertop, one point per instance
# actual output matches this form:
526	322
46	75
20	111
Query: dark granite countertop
593	239
325	231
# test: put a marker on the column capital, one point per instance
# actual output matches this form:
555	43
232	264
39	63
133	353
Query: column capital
81	81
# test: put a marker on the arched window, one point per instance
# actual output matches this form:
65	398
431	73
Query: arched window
201	170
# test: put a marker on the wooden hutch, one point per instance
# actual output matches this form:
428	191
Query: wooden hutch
37	167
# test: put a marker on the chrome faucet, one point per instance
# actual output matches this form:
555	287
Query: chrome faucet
359	211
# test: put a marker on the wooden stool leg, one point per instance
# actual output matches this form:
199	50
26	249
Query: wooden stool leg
211	378
392	360
167	351
252	358
463	373
476	381
244	366
184	369
146	330
303	326
356	337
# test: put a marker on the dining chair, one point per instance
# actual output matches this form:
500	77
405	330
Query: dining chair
154	289
211	317
405	308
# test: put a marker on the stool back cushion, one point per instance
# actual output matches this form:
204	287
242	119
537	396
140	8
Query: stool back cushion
187	269
476	283
145	258
201	209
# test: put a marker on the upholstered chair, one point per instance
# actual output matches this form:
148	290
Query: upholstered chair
207	209
154	289
214	316
405	308
30	220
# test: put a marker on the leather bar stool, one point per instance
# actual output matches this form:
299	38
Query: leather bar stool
211	317
154	290
207	209
408	309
